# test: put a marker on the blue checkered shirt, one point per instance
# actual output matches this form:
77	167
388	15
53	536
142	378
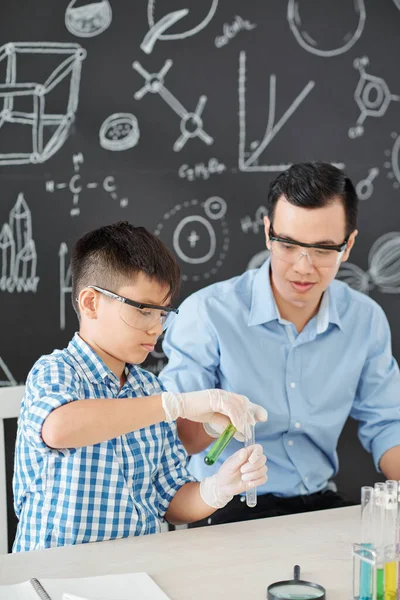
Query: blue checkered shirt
115	489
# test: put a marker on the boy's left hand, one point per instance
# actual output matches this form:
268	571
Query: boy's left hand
244	469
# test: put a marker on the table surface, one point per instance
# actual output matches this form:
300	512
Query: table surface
234	561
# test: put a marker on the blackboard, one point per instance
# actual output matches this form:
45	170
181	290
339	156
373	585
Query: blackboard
176	115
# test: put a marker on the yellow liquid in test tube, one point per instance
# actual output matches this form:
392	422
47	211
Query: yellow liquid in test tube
391	580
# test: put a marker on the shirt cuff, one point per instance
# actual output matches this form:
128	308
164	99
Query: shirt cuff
387	439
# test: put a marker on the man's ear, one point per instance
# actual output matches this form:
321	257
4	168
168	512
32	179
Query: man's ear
267	225
350	244
88	302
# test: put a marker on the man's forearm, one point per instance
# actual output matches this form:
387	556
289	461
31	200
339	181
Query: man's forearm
390	463
188	506
193	436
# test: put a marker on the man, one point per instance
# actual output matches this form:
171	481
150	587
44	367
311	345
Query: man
307	347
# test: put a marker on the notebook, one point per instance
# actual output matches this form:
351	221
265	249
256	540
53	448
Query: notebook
129	586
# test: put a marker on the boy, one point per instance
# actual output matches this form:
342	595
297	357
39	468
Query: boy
97	454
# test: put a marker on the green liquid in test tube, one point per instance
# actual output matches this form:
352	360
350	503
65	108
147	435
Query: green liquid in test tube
219	446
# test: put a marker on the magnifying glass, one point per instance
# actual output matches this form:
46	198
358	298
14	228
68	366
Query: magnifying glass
295	589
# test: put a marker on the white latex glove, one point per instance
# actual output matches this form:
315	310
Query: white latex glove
218	422
244	469
201	407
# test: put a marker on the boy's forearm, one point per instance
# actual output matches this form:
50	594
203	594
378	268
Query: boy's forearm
188	506
88	422
193	436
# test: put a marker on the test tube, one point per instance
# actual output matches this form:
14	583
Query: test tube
390	540
219	446
249	440
379	534
367	538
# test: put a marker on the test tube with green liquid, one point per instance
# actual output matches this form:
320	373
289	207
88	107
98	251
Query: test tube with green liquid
219	446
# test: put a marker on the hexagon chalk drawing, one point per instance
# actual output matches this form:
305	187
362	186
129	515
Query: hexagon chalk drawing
372	95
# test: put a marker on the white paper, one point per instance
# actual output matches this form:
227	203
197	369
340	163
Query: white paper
127	586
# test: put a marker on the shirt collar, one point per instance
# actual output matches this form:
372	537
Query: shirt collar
264	308
94	367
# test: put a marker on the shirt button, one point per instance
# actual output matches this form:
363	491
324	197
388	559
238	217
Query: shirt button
305	479
297	424
290	443
293	385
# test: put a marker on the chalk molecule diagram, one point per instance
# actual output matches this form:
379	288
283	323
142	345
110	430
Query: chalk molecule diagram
315	42
372	95
191	122
365	187
383	267
48	129
75	186
199	235
158	27
88	20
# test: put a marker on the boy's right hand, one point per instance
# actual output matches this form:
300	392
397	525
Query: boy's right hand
202	407
245	469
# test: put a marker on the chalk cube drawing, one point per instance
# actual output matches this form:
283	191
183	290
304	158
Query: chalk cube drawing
39	93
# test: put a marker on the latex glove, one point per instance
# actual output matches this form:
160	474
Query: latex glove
245	469
218	422
201	407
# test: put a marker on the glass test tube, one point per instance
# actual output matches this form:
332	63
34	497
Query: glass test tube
367	538
390	541
219	446
379	518
249	440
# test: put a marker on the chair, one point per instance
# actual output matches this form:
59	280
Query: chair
10	404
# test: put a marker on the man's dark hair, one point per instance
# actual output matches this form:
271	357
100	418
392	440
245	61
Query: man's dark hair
315	185
112	255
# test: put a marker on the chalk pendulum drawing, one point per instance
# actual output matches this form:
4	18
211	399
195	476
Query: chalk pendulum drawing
322	28
87	19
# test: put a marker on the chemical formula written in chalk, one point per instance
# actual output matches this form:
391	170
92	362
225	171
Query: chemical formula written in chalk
201	170
75	185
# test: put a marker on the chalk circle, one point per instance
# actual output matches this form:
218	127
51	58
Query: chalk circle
176	240
295	10
184	34
215	208
119	131
395	158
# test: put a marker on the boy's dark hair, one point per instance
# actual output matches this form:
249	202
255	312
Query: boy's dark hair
314	185
111	255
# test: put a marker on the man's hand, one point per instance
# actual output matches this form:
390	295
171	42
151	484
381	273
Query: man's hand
244	469
204	406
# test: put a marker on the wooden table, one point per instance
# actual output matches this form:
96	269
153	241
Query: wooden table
229	562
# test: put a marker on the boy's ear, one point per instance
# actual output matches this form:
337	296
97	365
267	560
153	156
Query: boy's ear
350	244
87	301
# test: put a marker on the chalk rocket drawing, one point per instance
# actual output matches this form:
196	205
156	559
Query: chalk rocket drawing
18	251
49	130
6	377
65	281
191	122
318	42
89	19
159	27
